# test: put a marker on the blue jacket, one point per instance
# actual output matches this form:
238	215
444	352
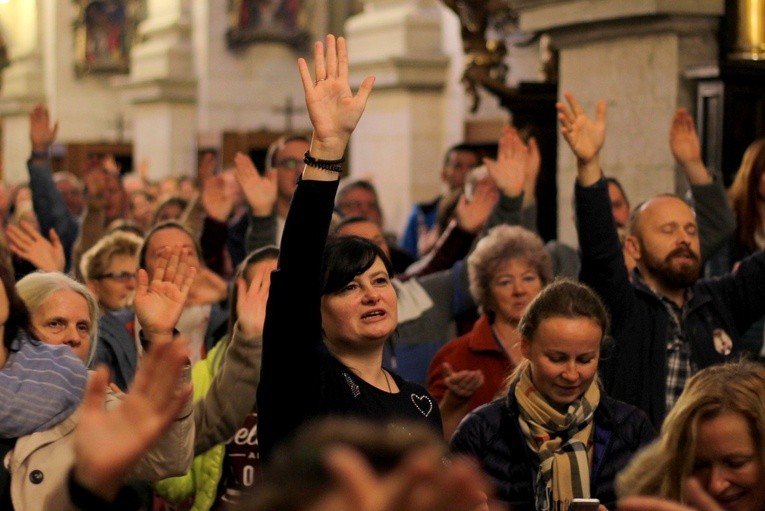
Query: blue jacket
117	349
492	434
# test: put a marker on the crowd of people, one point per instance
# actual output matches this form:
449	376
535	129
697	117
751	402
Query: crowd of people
254	339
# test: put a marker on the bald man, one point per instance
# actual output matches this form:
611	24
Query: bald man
667	322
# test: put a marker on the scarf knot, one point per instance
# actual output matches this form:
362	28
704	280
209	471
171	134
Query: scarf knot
560	441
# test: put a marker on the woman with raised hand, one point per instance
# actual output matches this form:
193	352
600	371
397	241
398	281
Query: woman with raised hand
555	435
332	306
63	311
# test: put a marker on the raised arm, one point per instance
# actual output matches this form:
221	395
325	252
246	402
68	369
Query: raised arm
603	266
49	206
261	193
292	334
217	415
332	107
585	137
513	172
714	214
27	243
109	444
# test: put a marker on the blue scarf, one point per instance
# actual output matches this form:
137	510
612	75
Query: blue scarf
40	385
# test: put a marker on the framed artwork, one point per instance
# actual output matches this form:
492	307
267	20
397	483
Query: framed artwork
104	33
252	21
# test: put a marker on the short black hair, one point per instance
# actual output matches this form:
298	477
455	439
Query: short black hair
462	147
345	257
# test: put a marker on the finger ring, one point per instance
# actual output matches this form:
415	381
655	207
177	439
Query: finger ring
319	80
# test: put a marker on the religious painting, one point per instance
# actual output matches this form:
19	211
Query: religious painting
104	33
252	21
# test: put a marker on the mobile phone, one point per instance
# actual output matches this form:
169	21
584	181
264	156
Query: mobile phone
584	505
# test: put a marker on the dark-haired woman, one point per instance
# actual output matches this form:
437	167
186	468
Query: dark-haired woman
331	308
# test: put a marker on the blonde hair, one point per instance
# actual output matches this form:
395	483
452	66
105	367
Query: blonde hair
661	468
97	258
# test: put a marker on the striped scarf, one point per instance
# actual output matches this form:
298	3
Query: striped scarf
560	441
40	385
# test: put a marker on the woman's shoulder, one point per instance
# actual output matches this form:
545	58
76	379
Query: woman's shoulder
623	417
485	426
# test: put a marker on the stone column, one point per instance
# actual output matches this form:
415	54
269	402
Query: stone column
22	89
400	140
163	90
633	54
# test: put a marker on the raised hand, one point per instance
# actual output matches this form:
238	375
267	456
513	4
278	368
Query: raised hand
260	191
207	165
333	109
110	164
41	133
584	136
251	301
27	243
472	215
513	161
95	185
159	304
216	200
427	237
107	444
209	287
686	148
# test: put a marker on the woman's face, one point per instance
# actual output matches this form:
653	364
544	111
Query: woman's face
116	287
64	318
166	239
728	464
564	354
514	284
365	309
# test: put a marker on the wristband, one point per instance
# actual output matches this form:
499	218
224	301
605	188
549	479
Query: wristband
40	155
331	165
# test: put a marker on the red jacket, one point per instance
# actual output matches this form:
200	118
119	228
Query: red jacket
477	349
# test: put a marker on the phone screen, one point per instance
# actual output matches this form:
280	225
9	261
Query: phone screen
584	505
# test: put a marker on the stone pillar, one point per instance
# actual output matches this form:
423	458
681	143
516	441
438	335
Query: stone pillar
22	89
633	54
400	140
163	90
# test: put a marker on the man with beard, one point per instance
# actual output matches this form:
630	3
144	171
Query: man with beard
666	322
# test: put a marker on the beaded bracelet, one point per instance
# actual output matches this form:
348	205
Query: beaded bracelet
40	155
331	165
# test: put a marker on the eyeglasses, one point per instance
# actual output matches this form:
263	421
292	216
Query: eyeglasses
121	276
288	163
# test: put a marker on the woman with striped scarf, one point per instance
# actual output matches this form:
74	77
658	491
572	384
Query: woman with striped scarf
554	435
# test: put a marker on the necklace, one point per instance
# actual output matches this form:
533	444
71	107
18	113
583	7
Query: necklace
385	373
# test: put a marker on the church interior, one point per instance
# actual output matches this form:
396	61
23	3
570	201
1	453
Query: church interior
157	83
